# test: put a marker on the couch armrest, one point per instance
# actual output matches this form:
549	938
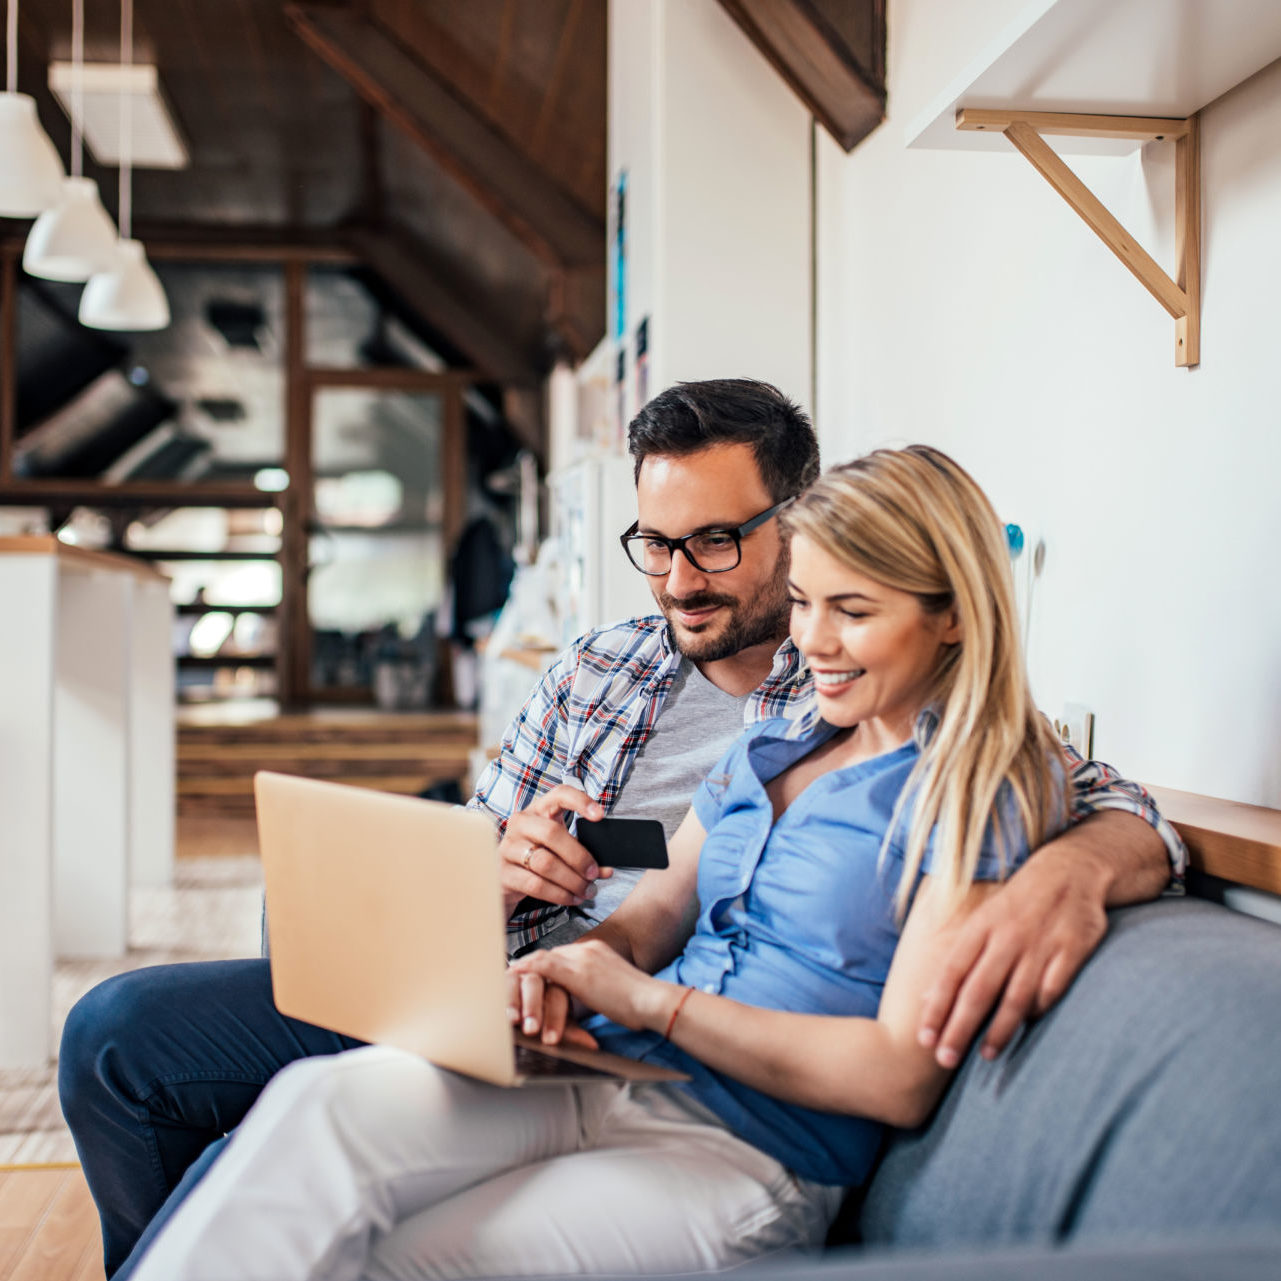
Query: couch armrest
1144	1105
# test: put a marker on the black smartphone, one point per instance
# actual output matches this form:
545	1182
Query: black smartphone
624	842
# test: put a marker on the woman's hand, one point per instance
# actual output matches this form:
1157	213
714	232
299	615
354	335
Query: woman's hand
539	1008
597	978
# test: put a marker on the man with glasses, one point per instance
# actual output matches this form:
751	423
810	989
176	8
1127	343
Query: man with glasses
157	1065
715	463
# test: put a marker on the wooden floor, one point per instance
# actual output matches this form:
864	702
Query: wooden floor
48	1227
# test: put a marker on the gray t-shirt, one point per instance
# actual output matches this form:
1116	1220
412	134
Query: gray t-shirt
695	726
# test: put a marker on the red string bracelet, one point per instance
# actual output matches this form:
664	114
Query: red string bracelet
680	1005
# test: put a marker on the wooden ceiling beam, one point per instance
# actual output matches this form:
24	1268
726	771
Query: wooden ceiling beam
195	242
498	75
392	379
505	181
398	261
192	242
560	66
845	91
575	303
133	493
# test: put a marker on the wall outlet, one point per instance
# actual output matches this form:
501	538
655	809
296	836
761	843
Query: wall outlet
1076	728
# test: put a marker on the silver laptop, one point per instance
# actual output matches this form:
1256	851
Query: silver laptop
386	924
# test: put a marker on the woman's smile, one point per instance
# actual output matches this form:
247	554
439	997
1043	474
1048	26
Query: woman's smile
832	683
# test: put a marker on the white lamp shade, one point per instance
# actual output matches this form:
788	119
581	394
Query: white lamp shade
75	239
128	295
30	170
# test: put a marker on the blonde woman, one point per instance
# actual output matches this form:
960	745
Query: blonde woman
780	961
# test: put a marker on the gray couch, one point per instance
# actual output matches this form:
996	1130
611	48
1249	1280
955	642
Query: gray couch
1254	1258
1144	1111
1134	1132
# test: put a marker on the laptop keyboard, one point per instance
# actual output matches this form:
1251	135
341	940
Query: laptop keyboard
532	1063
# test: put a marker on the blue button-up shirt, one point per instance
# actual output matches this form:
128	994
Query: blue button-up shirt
795	915
587	719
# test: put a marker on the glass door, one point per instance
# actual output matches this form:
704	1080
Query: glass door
376	544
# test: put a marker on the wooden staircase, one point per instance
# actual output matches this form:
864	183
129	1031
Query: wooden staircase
402	752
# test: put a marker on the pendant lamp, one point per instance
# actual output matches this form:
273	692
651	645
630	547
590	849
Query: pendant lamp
76	238
128	293
30	170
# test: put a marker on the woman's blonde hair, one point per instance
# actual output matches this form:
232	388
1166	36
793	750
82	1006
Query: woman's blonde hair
914	520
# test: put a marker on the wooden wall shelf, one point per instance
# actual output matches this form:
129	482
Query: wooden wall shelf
198	611
1228	839
1181	297
214	661
1104	77
1106	57
174	554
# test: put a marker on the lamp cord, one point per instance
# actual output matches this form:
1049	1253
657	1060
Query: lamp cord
126	122
11	49
77	87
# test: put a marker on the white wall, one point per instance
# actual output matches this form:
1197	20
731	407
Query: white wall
717	152
962	302
634	144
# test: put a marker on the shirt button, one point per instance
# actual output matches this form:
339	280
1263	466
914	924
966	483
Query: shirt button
709	988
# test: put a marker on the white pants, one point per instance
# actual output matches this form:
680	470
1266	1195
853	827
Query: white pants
374	1164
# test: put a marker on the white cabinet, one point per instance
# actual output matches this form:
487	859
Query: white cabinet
86	766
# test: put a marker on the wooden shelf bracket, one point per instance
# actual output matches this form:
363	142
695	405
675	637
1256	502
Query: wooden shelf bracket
1181	297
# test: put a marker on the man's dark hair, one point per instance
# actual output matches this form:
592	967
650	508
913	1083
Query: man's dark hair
731	411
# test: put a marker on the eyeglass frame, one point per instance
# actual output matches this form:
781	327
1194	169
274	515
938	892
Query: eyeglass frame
674	545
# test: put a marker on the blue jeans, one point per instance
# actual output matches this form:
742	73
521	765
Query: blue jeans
156	1066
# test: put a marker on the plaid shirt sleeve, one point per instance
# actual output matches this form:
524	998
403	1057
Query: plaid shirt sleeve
531	761
1097	787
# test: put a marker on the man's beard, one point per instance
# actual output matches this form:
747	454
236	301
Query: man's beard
763	618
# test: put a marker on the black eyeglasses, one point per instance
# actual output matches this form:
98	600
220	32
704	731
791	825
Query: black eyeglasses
713	551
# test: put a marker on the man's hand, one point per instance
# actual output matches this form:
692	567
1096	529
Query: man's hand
540	857
1028	942
1024	945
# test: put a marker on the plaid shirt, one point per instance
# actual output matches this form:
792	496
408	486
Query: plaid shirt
596	705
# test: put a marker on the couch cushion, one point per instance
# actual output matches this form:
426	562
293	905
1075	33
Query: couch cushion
1146	1104
1255	1258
